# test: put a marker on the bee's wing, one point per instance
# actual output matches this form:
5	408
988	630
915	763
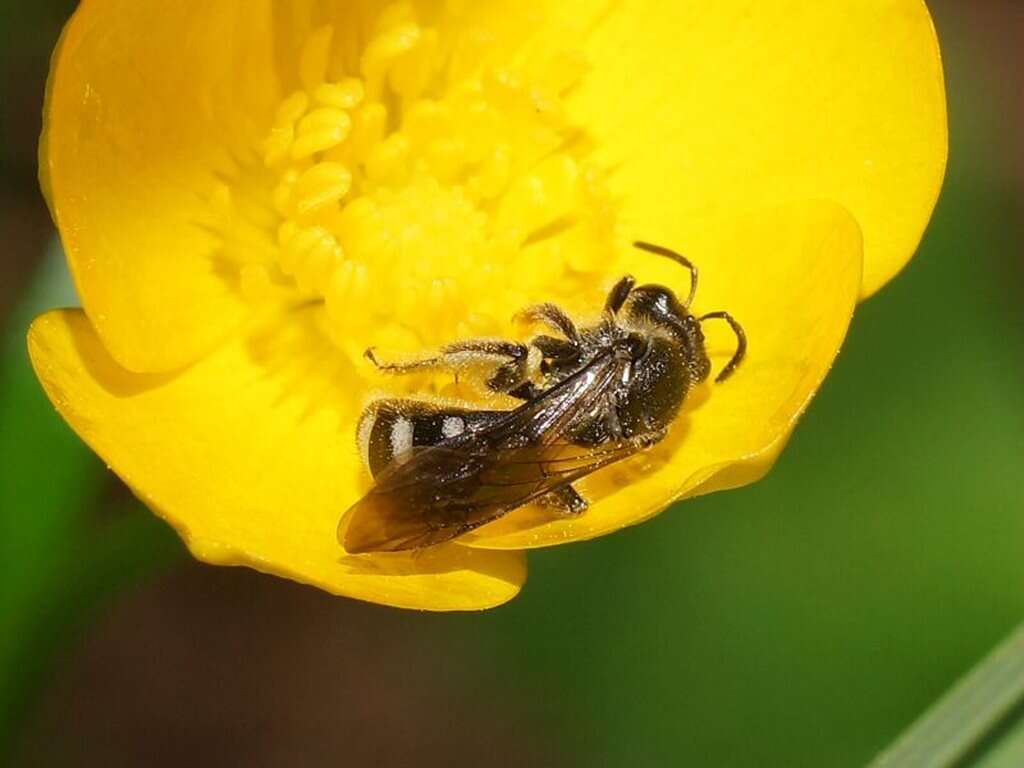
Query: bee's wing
443	491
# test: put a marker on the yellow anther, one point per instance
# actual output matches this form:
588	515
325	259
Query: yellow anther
278	144
282	195
383	51
291	109
307	253
313	142
324	117
323	185
320	130
413	70
316	264
283	192
344	95
292	240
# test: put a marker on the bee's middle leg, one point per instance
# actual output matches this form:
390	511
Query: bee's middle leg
513	378
565	500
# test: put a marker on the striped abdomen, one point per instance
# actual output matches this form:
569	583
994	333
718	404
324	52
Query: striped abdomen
390	428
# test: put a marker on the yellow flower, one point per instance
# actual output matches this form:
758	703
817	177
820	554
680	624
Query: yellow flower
252	193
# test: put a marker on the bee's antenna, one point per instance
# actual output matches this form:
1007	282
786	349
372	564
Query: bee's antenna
741	343
678	259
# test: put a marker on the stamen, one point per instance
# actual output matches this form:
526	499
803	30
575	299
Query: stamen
421	209
320	130
344	95
320	187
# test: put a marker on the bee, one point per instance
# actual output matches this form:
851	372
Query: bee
590	397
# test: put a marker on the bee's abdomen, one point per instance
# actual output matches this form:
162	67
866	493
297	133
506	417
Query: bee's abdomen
390	428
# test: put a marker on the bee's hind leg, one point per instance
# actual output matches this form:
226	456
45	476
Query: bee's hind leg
510	378
454	355
566	501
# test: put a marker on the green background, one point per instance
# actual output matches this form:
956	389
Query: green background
803	621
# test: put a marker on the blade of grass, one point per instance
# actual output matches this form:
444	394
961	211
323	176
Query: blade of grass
970	721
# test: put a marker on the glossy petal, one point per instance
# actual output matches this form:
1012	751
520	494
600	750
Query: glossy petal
250	454
706	108
146	104
790	276
701	109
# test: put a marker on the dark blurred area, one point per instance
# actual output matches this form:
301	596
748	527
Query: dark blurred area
804	621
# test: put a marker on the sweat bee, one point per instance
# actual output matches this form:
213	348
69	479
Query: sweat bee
591	396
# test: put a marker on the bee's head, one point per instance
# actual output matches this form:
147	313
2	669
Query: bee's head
656	307
666	353
655	310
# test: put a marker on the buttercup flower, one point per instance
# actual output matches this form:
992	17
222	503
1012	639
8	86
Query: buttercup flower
252	193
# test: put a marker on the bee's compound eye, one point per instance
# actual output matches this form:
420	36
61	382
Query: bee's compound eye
638	345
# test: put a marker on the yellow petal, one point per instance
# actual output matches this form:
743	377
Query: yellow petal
158	116
251	455
149	107
704	108
790	276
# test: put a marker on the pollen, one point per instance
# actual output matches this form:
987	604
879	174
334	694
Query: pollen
422	199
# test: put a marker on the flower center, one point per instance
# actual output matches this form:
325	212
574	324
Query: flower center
422	207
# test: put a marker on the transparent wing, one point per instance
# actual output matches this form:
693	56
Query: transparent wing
444	491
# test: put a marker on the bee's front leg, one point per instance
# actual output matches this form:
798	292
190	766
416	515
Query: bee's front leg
553	317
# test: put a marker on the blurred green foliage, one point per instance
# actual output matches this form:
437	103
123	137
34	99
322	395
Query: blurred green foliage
58	560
